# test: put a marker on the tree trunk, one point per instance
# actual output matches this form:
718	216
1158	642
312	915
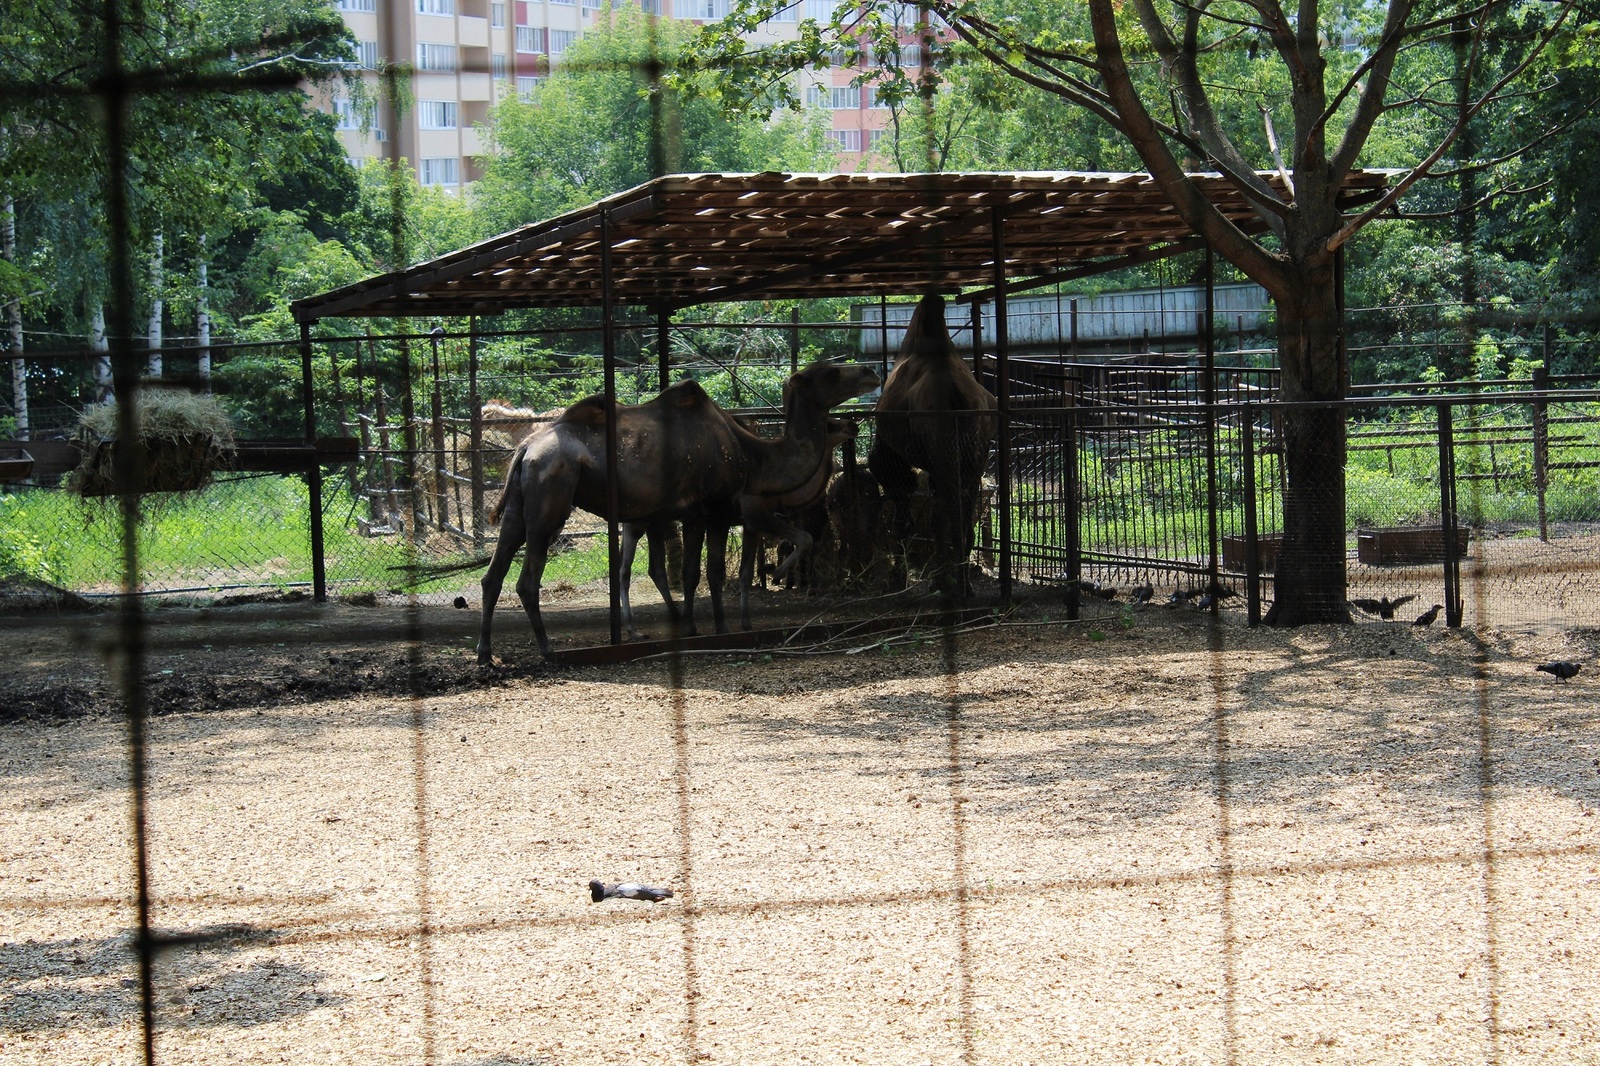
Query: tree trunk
156	307
102	349
1310	579
202	316
19	366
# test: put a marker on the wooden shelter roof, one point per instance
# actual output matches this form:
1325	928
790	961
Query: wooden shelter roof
687	239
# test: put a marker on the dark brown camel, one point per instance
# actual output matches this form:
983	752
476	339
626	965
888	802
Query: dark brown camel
934	416
758	515
680	456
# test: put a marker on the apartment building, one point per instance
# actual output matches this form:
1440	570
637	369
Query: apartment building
469	54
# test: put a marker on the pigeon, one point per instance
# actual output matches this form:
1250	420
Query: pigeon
1560	668
1204	602
1177	598
1426	618
1383	607
598	891
1142	593
1106	592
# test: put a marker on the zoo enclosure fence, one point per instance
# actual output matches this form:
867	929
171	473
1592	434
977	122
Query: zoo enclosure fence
1126	468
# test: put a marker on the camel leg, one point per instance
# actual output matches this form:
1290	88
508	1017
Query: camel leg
658	536
748	550
512	534
628	534
694	536
757	525
898	481
717	572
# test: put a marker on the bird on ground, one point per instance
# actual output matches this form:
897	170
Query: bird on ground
1204	602
599	890
461	603
1383	607
1177	599
1427	618
1560	668
1142	593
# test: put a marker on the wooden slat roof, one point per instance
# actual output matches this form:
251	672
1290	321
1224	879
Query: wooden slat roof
687	239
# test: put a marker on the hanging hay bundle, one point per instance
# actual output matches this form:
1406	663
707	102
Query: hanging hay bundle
187	438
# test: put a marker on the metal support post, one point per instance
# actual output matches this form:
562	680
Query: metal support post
608	346
319	562
1002	380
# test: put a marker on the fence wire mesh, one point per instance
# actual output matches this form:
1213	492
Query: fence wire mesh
404	936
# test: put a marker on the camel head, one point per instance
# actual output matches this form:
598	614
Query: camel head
825	384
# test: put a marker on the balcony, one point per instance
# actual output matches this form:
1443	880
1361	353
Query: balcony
472	32
476	85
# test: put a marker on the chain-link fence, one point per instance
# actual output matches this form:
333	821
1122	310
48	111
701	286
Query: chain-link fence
1125	472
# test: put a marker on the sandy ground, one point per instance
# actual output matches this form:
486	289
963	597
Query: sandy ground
1137	838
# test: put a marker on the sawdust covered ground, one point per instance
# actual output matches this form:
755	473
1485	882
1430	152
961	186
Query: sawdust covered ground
1038	843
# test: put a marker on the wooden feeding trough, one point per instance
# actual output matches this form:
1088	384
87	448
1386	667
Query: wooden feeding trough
1236	552
15	463
1406	544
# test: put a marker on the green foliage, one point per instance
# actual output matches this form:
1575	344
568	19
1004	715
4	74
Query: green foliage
26	547
600	124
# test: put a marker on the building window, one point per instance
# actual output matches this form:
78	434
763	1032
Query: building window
436	7
821	10
787	14
436	57
876	138
345	111
872	98
846	140
650	7
356	5
497	16
445	170
561	40
530	39
525	87
497	67
911	55
708	9
595	4
568	3
436	114
367	55
834	98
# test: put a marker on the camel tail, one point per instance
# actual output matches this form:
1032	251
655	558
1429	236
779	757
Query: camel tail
513	484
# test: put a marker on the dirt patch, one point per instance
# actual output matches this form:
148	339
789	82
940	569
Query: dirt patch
1140	837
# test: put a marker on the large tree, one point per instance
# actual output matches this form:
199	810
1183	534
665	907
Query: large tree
1282	101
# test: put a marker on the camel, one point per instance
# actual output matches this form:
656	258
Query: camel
934	416
758	514
680	456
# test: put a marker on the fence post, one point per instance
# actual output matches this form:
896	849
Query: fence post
475	408
1252	546
319	564
1448	517
794	340
1002	381
408	434
1069	489
1209	336
663	349
441	517
1541	437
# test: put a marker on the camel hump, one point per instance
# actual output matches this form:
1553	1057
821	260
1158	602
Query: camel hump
926	333
684	394
589	411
